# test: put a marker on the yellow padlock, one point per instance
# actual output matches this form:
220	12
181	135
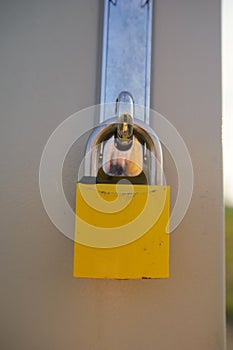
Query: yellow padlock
122	206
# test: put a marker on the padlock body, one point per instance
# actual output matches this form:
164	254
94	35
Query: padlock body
121	231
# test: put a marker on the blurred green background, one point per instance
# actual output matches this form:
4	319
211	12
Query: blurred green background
229	262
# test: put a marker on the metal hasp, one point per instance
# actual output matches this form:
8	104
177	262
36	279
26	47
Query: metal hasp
124	145
126	54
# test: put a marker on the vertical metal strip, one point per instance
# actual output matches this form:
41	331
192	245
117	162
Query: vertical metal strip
104	59
126	53
148	60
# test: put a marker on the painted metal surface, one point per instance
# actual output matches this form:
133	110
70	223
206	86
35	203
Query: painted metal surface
45	76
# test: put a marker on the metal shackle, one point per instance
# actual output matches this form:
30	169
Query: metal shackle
123	148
